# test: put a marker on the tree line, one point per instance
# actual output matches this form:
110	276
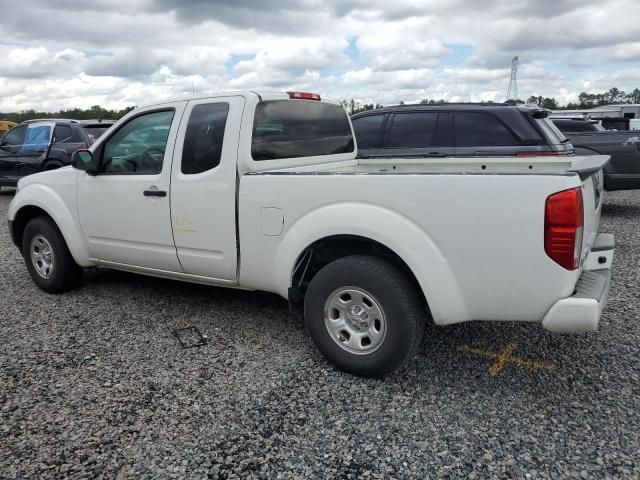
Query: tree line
93	113
585	100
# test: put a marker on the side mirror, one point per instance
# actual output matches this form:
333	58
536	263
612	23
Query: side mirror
83	160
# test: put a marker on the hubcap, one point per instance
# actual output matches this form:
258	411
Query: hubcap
355	320
42	256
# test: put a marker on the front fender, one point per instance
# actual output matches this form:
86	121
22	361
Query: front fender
47	199
393	230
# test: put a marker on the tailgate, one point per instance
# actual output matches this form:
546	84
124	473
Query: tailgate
589	169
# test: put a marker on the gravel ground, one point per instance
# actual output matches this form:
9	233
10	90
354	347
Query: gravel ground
93	384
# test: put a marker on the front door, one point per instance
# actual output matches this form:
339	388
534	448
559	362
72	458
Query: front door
124	210
9	146
203	190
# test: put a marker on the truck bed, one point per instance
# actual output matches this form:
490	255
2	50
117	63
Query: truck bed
463	222
561	165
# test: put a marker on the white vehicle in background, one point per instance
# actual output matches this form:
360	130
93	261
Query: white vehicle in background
263	192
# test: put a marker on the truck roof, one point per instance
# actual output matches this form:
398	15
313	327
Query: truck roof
261	94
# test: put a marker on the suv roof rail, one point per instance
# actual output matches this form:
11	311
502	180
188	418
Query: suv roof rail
70	120
452	104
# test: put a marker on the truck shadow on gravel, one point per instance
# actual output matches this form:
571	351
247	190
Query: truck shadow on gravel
620	209
441	355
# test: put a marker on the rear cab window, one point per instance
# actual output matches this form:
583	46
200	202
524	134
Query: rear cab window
299	128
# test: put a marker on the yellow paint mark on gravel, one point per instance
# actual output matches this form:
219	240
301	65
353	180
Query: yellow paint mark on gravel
504	357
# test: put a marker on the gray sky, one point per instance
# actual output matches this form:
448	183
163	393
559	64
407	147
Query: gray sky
116	53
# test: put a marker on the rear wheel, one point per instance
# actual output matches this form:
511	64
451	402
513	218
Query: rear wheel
47	257
365	315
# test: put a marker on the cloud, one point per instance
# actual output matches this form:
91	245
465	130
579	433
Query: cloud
119	52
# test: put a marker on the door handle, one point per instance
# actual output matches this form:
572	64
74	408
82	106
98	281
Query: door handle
154	193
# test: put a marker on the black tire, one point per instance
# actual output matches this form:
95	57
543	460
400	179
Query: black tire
65	274
402	307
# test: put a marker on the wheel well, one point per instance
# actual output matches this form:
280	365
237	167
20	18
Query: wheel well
24	215
324	251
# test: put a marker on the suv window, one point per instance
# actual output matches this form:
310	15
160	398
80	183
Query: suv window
93	132
476	129
62	134
203	138
37	139
299	128
138	147
367	130
411	130
14	137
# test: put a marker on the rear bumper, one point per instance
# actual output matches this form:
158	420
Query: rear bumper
581	312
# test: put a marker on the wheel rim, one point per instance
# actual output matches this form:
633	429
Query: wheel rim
42	257
355	320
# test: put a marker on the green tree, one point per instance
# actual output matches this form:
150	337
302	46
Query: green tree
95	112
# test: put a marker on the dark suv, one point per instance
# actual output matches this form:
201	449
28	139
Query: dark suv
37	145
460	130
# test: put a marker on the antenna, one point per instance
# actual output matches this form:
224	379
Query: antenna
512	91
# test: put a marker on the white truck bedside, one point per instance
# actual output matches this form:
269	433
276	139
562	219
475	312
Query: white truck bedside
262	191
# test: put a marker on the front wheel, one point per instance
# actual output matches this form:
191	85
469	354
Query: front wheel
364	315
47	257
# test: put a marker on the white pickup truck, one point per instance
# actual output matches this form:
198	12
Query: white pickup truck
264	192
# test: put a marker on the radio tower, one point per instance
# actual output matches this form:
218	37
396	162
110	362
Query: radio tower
512	91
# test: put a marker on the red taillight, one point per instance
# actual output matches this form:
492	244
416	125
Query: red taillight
545	154
304	95
563	226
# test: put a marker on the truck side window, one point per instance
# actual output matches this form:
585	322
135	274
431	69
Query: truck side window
203	138
475	129
410	130
138	147
367	130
